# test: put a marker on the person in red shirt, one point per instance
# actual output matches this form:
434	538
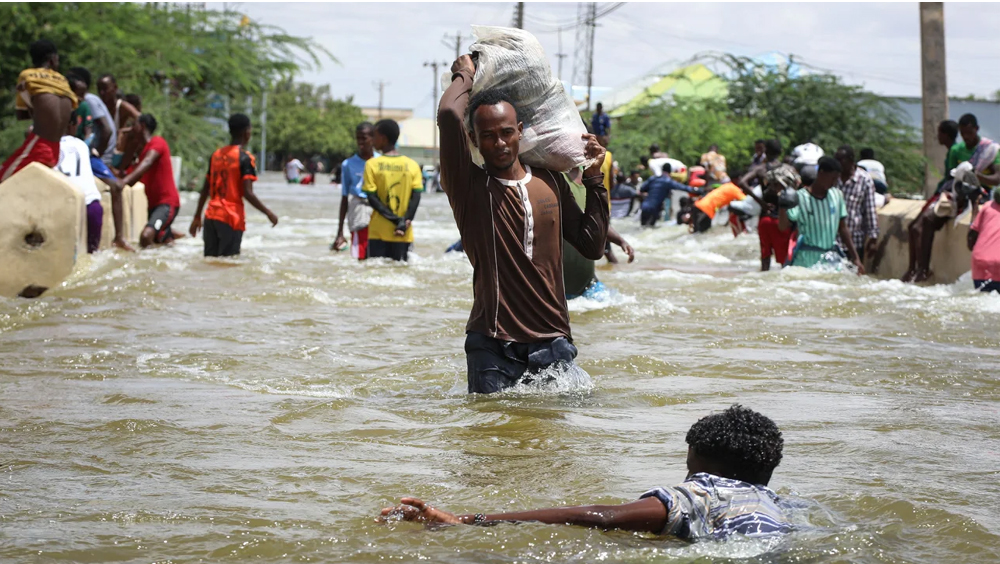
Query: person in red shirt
157	174
231	173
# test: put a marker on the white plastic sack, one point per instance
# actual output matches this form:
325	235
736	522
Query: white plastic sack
512	59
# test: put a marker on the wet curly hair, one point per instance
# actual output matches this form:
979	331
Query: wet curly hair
746	444
490	97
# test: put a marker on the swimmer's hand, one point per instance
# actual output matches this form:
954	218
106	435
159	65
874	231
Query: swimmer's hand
272	218
413	509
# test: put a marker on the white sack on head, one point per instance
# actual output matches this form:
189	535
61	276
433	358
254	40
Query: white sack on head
513	60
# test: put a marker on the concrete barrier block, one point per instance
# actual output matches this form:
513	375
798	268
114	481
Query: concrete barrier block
108	227
950	257
42	230
136	209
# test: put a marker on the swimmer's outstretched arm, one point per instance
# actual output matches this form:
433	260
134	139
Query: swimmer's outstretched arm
646	515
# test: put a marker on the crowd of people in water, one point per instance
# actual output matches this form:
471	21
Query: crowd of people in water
518	227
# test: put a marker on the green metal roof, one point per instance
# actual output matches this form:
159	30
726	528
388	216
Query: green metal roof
694	81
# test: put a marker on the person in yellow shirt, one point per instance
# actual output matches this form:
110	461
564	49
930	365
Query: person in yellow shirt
393	184
44	97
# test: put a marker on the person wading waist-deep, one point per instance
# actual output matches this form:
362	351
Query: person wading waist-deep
513	219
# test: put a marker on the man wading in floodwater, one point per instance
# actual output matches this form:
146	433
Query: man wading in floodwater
513	219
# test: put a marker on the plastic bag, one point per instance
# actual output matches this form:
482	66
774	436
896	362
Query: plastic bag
512	59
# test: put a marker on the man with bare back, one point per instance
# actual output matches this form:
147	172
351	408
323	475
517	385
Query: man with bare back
44	96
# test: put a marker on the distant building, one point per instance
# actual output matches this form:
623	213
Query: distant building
398	114
417	140
987	114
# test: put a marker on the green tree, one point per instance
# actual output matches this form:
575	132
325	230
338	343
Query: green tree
822	109
306	120
181	60
687	127
768	101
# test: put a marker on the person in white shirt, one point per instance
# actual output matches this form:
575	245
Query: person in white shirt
292	169
875	169
74	162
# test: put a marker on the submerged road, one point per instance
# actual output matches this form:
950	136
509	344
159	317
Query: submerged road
160	407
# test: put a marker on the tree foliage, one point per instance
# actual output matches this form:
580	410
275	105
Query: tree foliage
304	119
185	62
686	128
769	101
822	109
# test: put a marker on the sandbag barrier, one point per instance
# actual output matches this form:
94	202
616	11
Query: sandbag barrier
950	257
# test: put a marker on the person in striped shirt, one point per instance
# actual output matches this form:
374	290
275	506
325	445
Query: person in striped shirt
730	459
858	189
821	215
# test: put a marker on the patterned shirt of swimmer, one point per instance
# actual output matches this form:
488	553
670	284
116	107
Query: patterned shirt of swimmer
709	507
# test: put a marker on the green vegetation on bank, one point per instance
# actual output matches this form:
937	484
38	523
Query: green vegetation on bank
304	120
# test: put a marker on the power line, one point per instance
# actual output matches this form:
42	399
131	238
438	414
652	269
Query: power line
457	44
581	20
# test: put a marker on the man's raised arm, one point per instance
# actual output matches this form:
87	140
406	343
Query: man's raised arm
455	158
587	229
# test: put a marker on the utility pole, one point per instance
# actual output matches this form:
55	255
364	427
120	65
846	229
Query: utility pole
519	15
263	130
434	147
934	92
583	57
560	55
592	23
380	85
458	43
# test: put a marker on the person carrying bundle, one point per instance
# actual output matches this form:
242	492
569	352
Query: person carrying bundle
513	218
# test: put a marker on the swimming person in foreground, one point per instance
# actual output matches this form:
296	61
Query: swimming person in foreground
731	456
513	219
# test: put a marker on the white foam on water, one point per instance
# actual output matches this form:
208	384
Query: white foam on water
313	294
287	388
659	307
607	299
560	378
143	359
391	279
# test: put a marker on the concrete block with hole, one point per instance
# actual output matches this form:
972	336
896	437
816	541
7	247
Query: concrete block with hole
43	231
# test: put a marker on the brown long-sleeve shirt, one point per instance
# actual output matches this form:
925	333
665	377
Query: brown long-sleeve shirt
512	232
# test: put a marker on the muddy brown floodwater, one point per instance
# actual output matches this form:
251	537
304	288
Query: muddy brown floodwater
161	408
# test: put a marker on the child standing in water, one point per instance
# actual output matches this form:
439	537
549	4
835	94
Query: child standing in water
232	171
731	456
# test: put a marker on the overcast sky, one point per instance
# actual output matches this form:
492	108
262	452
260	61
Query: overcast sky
877	45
